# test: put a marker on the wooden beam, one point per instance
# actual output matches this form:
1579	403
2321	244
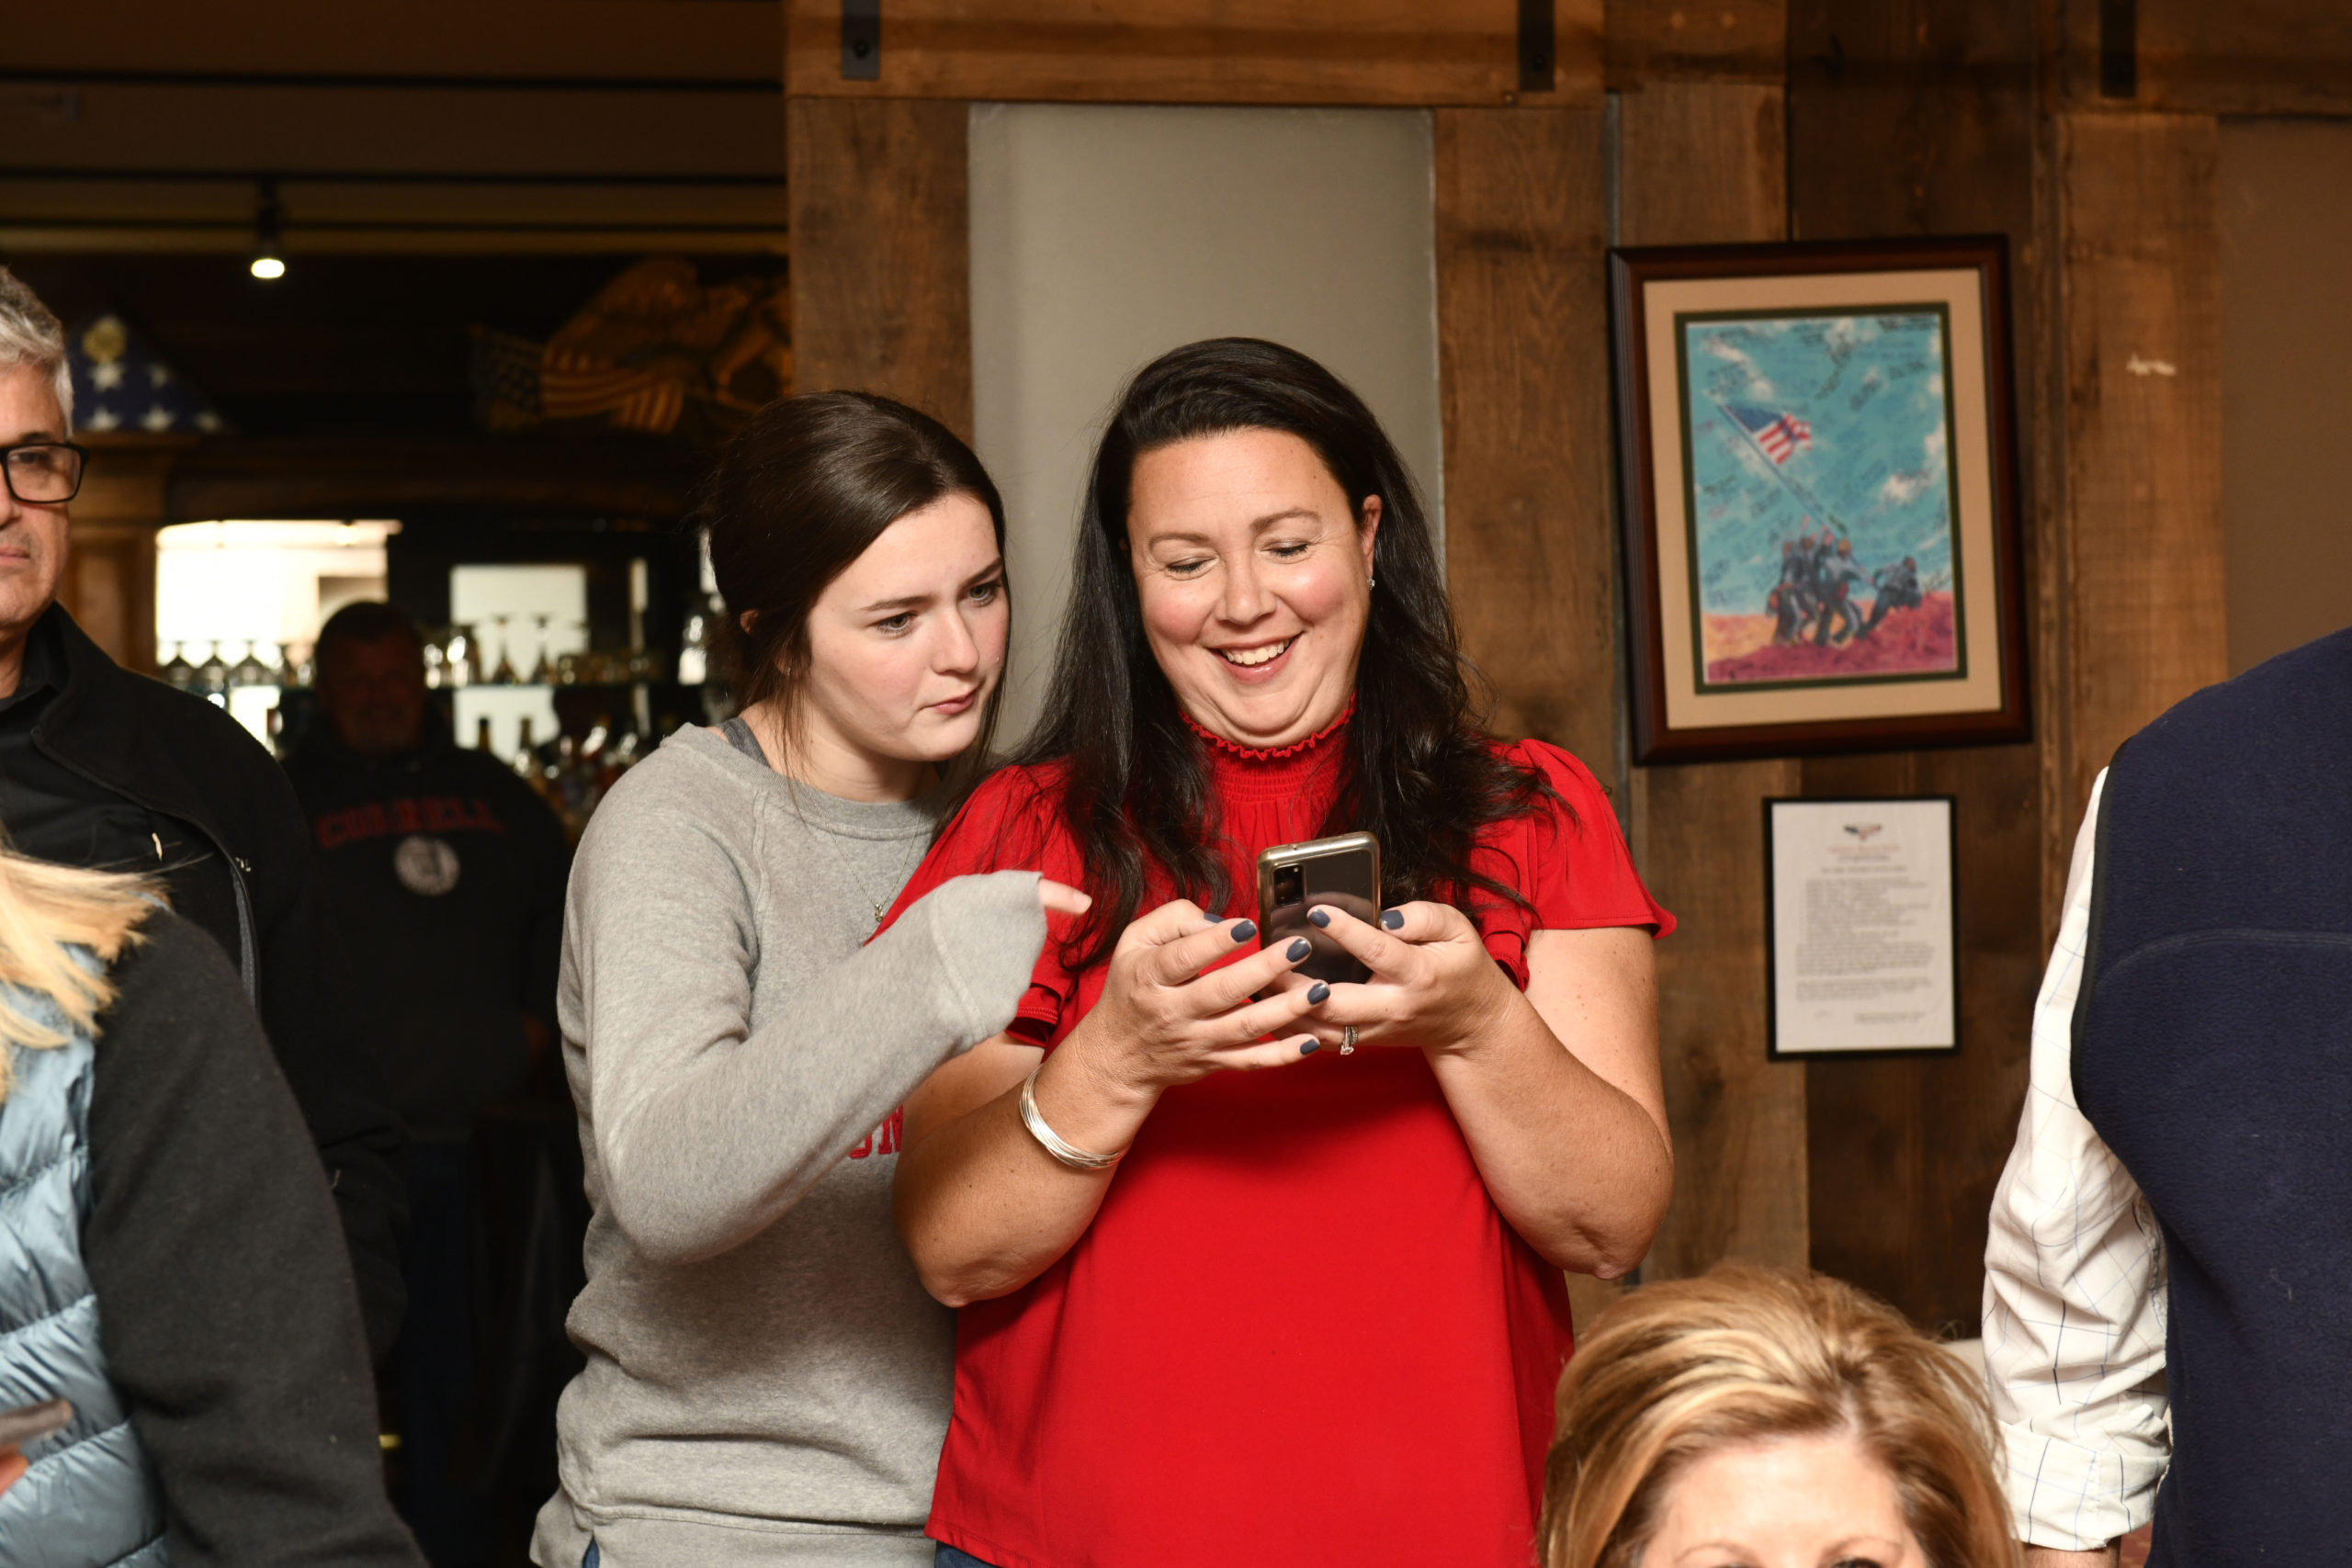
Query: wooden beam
1921	121
1523	352
1200	52
302	477
1522	356
1697	164
1676	41
2252	57
881	252
2142	380
108	584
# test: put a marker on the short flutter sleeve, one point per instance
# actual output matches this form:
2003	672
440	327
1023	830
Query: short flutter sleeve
1566	857
1012	822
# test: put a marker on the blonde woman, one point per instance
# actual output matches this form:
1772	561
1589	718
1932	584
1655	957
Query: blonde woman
1754	1419
170	1260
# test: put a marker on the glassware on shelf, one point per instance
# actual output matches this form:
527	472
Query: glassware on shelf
250	671
212	676
462	658
526	761
502	673
436	661
177	672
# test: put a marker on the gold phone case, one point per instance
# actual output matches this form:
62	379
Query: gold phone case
1343	872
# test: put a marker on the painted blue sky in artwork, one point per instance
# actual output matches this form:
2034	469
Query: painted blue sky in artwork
1871	387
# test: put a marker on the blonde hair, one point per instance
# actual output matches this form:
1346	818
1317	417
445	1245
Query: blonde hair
45	911
1678	1370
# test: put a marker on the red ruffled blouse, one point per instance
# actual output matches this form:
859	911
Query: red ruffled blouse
1298	1330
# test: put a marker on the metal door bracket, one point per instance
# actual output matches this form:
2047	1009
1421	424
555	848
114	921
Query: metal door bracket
861	40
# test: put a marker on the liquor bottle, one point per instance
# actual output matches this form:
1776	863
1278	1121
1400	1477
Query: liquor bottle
296	670
526	761
694	646
543	670
481	735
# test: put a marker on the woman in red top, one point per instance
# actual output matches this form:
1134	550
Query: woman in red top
1219	1316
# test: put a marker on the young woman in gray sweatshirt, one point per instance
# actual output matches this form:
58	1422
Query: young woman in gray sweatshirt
767	1381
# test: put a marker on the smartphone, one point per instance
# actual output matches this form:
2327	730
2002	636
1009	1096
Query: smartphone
1344	873
29	1422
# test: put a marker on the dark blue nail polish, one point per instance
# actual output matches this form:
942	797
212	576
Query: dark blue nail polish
1245	931
1315	992
1319	918
1393	918
1299	950
1310	1048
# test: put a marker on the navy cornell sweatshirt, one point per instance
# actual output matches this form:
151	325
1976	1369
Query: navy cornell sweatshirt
2213	1054
446	873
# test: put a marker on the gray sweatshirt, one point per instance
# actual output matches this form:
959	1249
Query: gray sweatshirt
767	1381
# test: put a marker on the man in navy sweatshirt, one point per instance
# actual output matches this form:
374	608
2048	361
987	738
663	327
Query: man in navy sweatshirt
446	874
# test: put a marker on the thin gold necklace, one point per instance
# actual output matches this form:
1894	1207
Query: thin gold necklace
864	891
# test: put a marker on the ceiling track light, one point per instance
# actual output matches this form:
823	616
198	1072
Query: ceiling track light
270	258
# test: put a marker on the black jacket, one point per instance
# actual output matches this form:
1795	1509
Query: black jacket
235	859
225	1308
446	874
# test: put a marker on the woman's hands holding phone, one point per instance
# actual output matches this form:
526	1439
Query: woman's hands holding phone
1166	1019
1433	983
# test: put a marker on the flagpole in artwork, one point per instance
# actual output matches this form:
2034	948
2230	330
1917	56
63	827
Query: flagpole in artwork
1775	438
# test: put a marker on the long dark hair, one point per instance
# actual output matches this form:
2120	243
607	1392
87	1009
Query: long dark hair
801	492
1422	774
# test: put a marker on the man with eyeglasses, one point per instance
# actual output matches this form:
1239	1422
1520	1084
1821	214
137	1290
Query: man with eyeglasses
105	769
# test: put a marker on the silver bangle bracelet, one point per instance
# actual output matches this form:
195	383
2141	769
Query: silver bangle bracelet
1068	1154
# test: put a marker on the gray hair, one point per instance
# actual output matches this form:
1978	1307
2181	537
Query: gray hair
31	334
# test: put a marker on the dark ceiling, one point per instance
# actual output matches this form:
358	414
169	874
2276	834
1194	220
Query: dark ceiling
341	346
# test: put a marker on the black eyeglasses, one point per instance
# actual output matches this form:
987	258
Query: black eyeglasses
43	473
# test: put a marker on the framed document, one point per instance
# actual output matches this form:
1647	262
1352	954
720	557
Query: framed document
1861	941
1818	473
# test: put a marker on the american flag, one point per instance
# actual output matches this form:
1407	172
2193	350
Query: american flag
1779	433
577	385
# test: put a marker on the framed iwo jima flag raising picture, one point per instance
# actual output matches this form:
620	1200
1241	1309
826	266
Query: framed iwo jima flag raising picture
1817	466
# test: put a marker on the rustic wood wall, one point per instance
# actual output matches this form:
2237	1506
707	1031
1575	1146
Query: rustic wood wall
1521	220
881	266
108	584
1701	159
1918	118
2138	362
1740	120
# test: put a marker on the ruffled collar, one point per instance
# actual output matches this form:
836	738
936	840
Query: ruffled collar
1239	752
